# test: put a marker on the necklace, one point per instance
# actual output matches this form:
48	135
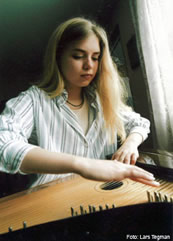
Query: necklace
76	105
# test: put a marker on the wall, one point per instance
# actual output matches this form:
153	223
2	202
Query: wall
122	17
25	27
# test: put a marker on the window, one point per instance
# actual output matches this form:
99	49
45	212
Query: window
154	32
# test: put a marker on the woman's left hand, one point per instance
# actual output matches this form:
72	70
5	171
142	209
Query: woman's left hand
128	152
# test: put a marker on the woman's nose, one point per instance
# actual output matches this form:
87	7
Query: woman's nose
87	63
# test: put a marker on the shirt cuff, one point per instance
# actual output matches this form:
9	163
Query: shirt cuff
140	131
13	155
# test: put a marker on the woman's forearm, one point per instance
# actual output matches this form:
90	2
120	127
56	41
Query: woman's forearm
39	160
134	138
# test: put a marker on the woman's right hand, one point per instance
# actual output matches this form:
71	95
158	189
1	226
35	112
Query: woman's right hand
106	170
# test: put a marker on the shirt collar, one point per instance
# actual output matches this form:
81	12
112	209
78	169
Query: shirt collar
62	98
92	96
90	92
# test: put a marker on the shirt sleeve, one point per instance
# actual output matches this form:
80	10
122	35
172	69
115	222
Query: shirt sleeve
16	125
134	123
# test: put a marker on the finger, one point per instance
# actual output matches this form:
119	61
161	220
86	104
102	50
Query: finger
133	159
116	156
113	157
152	183
141	170
127	159
120	156
136	172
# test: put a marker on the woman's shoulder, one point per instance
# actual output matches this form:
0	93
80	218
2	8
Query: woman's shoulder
32	94
34	91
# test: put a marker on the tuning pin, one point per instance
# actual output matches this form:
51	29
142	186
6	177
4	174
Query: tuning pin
156	197
76	213
72	212
113	206
81	210
165	198
24	224
149	196
171	199
160	197
10	229
90	208
93	209
100	208
106	206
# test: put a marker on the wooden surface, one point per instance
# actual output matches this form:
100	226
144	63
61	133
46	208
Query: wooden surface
54	201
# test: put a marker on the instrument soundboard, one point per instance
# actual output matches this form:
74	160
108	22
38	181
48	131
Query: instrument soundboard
77	201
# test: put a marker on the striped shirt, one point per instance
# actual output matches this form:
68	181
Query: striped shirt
33	118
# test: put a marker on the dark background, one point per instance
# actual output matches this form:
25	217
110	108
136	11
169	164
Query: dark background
25	27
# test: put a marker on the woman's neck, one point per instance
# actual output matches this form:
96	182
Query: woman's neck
75	95
75	98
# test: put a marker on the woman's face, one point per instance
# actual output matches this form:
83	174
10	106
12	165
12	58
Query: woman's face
79	62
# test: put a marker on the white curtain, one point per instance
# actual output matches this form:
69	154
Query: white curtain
153	20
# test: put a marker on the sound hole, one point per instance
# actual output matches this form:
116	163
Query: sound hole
111	185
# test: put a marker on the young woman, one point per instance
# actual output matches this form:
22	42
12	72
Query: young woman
69	122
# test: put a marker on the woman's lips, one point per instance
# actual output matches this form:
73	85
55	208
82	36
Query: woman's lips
86	76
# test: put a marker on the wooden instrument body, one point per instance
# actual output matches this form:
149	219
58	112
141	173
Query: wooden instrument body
54	201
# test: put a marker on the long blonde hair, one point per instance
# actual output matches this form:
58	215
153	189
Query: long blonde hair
107	80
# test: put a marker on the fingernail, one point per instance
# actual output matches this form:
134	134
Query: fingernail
152	178
156	183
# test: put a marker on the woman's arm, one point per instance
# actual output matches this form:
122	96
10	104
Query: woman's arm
128	152
137	129
39	160
16	126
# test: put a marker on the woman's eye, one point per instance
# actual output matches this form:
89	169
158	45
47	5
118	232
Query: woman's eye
77	57
81	56
95	59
